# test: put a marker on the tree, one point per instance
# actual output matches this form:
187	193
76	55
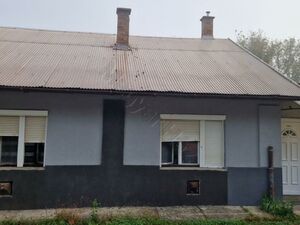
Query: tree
283	55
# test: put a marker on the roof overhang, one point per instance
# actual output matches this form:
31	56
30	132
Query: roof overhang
149	93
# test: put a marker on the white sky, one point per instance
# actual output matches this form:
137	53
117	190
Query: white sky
174	18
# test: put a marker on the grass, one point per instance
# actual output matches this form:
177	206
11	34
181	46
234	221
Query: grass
74	220
277	207
282	211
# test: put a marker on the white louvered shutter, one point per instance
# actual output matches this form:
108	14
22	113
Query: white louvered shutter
9	126
180	130
214	144
35	129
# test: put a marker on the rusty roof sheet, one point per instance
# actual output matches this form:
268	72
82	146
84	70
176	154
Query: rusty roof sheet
74	60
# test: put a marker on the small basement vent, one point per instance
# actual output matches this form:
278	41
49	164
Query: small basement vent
5	188
193	187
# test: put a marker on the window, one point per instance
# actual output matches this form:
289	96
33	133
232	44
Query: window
35	128
9	131
168	149
9	151
180	142
22	138
34	154
192	141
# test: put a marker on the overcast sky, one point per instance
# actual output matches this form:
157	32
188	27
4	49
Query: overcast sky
174	18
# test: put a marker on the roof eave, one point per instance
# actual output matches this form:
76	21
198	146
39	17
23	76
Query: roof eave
149	93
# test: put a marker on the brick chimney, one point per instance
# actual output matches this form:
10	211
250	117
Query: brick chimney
123	28
207	26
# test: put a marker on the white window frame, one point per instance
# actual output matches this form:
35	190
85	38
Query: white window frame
180	154
201	144
21	136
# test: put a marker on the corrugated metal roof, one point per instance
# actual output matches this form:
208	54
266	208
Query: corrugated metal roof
52	59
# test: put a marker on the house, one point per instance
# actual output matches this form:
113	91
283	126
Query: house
131	120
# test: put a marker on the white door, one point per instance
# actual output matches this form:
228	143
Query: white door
291	156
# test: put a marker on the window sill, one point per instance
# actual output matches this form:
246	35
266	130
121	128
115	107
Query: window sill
10	168
193	168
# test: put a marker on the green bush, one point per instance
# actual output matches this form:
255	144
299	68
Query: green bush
277	207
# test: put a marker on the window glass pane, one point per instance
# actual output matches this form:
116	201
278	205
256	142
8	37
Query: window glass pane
189	152
34	154
167	152
9	149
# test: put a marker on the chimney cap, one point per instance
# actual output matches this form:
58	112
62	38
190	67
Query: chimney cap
124	10
207	16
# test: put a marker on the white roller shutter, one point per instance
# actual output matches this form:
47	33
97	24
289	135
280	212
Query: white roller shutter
180	130
35	129
214	144
9	126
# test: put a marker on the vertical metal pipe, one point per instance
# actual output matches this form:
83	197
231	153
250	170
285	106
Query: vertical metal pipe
271	186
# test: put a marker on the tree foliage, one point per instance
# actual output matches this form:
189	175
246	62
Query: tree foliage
283	55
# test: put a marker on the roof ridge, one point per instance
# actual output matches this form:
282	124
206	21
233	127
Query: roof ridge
108	34
268	65
56	43
50	30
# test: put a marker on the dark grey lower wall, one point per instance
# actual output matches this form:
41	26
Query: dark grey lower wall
247	186
78	186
